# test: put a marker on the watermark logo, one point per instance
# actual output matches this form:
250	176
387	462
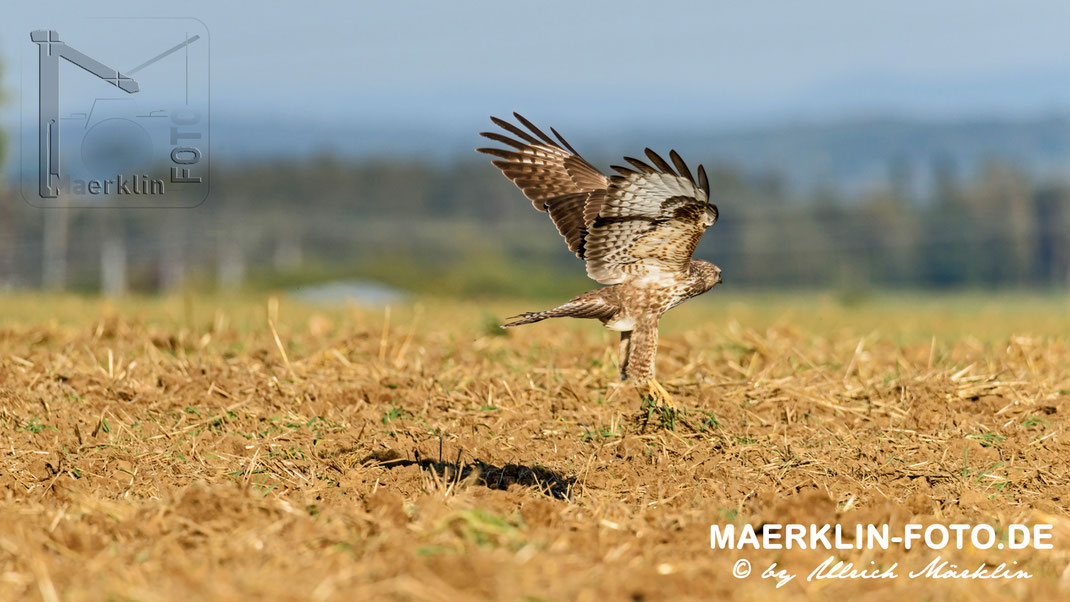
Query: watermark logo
944	539
115	113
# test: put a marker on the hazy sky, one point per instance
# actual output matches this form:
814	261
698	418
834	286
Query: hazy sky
732	63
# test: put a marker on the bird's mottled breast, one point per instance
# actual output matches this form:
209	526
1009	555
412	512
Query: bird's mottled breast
653	298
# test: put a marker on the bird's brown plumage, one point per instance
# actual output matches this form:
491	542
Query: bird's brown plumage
636	230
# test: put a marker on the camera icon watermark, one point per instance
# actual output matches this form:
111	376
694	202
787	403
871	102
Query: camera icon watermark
116	113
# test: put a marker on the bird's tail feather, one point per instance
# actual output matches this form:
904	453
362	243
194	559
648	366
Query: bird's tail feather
580	307
534	316
527	318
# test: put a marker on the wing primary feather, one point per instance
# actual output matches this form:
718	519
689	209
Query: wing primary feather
495	136
512	129
703	182
681	167
565	142
622	170
500	152
535	130
659	162
643	167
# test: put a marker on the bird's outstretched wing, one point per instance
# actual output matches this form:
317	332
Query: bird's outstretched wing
553	175
650	221
644	221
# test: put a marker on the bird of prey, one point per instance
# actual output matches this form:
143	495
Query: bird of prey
636	230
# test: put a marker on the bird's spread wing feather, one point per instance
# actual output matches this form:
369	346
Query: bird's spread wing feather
650	221
645	221
552	175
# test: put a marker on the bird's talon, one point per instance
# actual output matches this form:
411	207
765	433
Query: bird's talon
662	399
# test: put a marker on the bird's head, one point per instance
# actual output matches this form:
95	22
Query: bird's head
706	273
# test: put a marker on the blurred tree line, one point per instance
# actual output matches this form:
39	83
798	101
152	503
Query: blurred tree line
463	229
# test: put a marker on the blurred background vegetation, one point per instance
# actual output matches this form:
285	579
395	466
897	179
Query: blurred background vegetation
459	228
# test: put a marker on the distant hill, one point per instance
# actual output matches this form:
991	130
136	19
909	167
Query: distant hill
851	156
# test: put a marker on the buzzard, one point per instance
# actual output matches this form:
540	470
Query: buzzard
636	230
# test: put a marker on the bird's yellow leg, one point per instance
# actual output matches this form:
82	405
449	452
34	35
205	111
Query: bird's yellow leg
661	397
